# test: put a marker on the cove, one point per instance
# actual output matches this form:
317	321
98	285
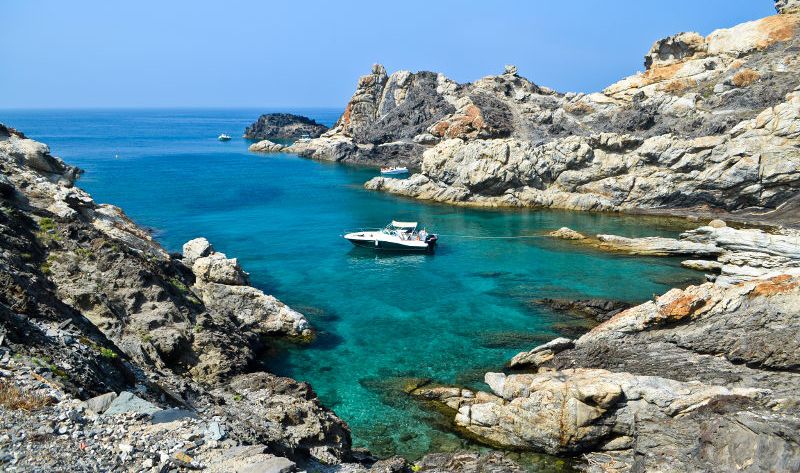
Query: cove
382	319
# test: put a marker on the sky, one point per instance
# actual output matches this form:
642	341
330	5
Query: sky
199	53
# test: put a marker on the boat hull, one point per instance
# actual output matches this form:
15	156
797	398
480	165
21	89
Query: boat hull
375	242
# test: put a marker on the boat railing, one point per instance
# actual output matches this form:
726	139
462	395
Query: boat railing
362	230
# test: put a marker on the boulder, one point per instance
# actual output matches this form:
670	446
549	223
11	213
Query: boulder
565	233
128	402
99	404
266	146
218	268
197	248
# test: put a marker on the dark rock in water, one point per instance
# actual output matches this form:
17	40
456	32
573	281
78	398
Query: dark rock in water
283	126
512	339
599	309
468	462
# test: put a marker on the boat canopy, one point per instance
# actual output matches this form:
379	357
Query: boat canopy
397	224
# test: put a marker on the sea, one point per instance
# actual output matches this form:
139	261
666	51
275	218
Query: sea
384	321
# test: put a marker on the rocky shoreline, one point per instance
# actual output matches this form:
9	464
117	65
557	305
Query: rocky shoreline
699	379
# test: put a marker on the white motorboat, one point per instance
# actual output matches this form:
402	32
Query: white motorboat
397	236
303	139
394	170
224	137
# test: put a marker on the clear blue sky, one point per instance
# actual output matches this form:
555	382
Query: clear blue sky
310	53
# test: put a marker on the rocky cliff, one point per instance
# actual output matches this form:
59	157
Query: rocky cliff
711	124
283	126
700	379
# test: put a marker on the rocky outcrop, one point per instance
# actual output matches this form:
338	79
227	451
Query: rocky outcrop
265	146
283	126
734	255
711	124
285	415
787	6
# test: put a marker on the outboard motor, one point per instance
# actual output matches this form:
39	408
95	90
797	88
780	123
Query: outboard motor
431	240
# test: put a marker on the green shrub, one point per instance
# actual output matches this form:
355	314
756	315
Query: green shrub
108	353
178	285
46	224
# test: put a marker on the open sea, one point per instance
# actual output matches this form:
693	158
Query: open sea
382	318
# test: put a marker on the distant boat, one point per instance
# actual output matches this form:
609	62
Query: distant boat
394	170
224	137
303	139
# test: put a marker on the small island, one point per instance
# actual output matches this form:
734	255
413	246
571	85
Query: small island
283	126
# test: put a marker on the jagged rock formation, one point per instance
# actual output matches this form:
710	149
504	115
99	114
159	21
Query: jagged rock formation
92	304
711	124
700	379
283	126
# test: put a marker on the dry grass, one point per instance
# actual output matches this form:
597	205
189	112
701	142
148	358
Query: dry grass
679	85
745	77
16	398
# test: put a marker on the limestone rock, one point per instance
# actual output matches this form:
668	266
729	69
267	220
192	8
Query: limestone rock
675	48
717	223
565	233
266	146
254	310
283	126
540	354
197	248
657	246
218	268
787	6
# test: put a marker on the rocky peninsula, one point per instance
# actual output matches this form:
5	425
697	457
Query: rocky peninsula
283	126
710	126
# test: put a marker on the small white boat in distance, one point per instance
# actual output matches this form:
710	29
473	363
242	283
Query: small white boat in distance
394	170
397	236
224	137
303	139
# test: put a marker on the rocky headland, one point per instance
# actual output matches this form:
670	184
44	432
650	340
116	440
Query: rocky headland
710	126
283	126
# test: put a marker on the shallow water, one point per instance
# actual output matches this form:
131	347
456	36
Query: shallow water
382	318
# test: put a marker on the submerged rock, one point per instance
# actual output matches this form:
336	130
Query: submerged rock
565	233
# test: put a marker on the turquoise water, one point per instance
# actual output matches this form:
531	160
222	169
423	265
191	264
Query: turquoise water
449	316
